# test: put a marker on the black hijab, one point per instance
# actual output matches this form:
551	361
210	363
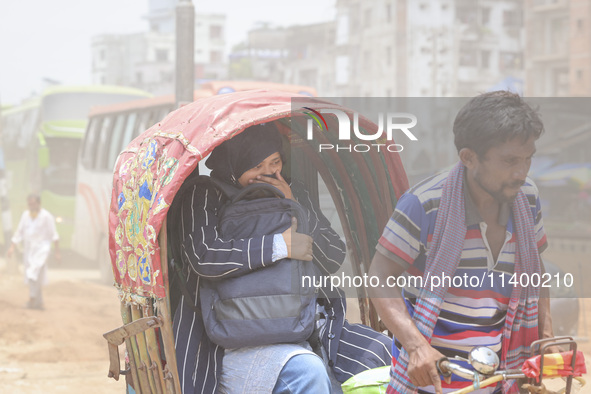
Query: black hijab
248	149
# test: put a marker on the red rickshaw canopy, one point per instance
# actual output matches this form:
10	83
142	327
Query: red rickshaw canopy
150	171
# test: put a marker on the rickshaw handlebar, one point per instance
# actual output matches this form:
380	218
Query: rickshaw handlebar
447	367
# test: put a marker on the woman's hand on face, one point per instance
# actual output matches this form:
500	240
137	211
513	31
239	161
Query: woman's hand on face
276	181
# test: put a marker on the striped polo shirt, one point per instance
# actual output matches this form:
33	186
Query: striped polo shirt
474	309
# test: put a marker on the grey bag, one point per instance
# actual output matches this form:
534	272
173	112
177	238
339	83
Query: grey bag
269	305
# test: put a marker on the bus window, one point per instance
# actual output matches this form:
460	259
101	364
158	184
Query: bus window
59	176
114	141
101	146
156	116
142	124
129	127
27	128
162	114
4	127
18	128
89	148
151	119
10	131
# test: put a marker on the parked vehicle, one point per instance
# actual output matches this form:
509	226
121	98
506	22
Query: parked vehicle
41	139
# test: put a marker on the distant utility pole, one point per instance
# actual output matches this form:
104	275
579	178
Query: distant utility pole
185	52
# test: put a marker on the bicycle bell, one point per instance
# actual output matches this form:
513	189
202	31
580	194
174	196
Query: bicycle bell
484	360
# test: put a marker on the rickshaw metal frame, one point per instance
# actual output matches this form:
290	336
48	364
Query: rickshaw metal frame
540	346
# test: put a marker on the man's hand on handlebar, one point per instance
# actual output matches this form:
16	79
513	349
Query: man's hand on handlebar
422	370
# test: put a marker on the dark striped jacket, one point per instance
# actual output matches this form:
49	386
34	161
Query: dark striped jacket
206	255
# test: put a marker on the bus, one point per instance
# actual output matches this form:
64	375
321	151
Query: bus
221	87
110	129
40	142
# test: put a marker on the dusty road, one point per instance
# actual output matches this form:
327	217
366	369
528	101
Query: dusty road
61	349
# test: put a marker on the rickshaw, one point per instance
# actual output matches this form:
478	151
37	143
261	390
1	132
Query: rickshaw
150	171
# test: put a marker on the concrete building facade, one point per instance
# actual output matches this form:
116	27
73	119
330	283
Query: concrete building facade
558	48
437	48
299	55
146	60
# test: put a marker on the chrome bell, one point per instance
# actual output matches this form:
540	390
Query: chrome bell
484	360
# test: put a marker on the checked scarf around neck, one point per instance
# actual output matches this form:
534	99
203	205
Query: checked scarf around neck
521	322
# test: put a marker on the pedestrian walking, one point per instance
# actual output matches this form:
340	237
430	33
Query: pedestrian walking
36	232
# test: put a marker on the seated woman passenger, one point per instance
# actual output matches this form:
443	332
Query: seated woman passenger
256	156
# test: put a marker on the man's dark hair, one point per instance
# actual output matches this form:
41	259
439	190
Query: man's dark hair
493	118
34	196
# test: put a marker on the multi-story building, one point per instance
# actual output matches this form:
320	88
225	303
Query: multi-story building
558	64
300	55
490	43
143	60
147	60
370	41
558	48
262	56
428	48
424	49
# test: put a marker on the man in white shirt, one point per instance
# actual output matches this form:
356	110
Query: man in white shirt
36	231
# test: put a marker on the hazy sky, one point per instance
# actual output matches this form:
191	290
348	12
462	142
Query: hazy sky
51	39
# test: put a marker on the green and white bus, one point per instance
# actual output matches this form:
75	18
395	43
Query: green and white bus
40	142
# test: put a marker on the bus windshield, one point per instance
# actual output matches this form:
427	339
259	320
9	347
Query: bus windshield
60	175
76	105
